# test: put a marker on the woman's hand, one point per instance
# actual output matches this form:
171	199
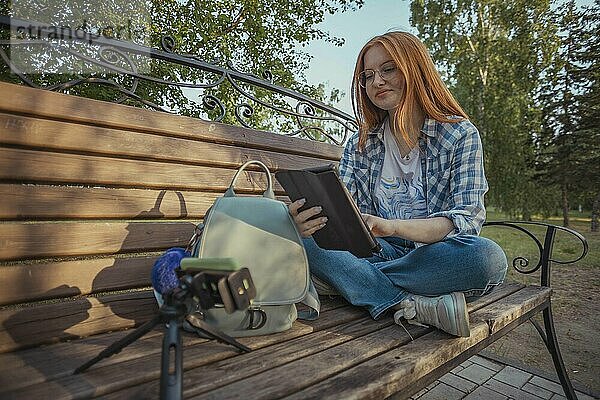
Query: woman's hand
380	227
305	225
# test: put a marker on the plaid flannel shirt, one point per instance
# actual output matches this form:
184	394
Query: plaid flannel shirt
451	164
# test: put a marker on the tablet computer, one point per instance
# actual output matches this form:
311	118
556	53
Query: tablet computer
345	228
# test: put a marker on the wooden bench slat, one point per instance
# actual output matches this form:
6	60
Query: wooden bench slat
41	103
47	167
389	372
227	371
500	292
25	327
308	370
216	376
72	202
40	281
33	366
23	240
85	139
107	376
103	378
36	368
379	377
501	313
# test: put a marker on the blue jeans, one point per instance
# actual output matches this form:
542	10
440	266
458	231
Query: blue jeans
469	264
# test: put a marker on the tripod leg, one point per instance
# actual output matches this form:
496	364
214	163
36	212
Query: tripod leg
120	344
201	327
171	381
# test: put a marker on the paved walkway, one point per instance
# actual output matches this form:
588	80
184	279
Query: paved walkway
481	378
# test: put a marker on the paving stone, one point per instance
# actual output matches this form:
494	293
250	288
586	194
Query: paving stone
558	397
432	385
489	364
483	393
582	396
462	384
476	373
457	369
442	392
538	391
513	376
510	391
419	393
548	385
466	364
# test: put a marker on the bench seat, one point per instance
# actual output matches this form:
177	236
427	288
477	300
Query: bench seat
91	193
343	354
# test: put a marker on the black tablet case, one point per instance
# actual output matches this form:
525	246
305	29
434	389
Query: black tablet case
345	229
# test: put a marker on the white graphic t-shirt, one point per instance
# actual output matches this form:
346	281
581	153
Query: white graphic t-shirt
400	192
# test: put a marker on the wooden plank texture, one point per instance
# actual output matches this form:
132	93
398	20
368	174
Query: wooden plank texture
74	202
227	371
40	281
381	376
388	373
343	354
501	313
102	379
42	103
34	366
498	293
24	240
45	167
85	139
49	323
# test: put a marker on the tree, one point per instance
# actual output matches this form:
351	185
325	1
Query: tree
251	36
492	54
555	143
569	145
587	141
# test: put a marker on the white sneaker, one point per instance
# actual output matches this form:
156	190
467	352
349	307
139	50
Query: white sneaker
447	312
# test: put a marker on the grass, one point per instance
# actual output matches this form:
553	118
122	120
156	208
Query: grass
576	288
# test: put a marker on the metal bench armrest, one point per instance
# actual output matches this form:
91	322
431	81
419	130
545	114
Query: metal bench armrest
521	264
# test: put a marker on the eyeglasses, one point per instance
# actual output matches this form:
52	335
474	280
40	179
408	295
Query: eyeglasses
367	77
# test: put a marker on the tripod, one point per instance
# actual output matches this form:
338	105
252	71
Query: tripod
172	313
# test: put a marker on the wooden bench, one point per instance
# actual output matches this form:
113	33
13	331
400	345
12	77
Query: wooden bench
92	192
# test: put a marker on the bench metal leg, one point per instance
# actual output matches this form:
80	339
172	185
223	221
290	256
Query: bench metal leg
549	337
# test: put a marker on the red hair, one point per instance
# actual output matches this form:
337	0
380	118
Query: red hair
423	88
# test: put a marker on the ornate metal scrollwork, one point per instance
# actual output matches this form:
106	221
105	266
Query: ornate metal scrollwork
198	85
210	102
167	43
521	263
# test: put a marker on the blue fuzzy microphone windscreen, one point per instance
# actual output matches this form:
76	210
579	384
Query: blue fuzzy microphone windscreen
164	277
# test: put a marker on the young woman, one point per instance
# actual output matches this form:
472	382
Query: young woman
415	170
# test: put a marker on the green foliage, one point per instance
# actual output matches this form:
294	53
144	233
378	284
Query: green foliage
508	65
255	36
251	36
492	54
568	149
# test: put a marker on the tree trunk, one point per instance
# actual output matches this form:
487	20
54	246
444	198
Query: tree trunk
565	206
526	213
595	213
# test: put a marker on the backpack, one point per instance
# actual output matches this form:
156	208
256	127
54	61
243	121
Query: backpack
258	233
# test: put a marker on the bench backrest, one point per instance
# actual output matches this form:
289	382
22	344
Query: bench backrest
92	192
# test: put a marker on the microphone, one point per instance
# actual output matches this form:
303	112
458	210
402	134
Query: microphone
164	277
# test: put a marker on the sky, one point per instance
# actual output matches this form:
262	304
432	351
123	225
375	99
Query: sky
334	65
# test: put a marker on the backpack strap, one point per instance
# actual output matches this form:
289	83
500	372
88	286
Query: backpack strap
312	301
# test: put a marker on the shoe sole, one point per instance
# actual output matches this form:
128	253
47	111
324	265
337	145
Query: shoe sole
461	314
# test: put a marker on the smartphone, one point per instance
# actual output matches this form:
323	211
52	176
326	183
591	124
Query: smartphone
219	281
